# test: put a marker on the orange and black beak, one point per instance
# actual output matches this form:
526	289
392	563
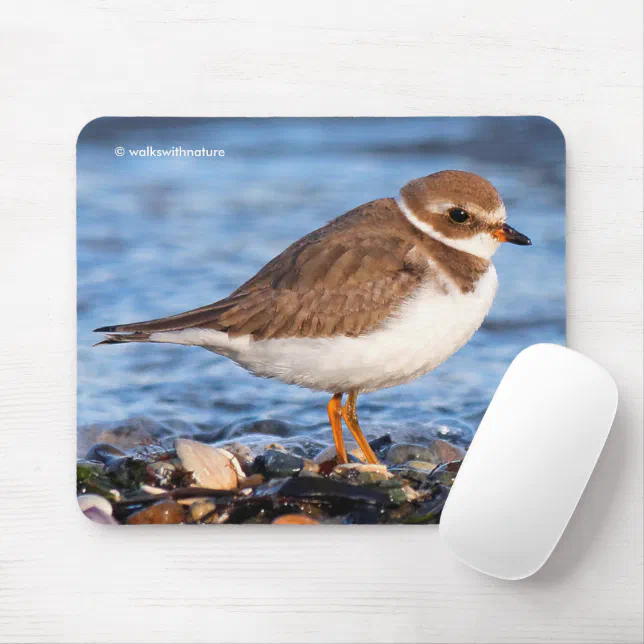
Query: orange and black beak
508	234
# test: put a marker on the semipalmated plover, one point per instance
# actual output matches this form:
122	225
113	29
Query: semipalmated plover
376	298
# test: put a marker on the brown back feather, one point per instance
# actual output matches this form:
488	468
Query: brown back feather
345	278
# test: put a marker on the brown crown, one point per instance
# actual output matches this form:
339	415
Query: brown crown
462	189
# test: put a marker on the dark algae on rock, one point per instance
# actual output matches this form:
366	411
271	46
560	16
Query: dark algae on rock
185	481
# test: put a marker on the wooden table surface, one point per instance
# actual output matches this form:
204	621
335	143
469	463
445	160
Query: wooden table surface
63	579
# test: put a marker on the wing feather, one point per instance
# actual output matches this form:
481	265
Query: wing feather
337	280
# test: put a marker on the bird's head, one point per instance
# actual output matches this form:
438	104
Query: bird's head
460	209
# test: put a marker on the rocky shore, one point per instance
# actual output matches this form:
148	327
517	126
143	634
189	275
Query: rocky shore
193	482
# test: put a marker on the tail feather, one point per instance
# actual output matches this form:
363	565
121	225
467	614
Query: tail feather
237	309
121	339
206	315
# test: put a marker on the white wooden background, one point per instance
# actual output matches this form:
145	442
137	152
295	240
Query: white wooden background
63	579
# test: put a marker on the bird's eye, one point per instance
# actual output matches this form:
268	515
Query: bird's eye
458	215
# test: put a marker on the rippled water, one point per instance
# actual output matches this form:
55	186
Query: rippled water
157	236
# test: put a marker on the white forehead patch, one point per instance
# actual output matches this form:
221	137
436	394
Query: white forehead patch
499	215
482	245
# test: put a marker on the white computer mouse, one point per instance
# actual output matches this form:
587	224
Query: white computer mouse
529	461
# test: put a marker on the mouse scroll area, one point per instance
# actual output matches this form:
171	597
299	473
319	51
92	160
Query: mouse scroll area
552	412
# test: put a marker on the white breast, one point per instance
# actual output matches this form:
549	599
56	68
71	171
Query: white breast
430	327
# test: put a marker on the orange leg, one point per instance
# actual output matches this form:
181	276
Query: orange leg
335	418
350	415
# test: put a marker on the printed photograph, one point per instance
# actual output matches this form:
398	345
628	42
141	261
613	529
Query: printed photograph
303	320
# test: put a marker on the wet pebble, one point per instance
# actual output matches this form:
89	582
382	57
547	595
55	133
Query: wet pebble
404	452
212	467
164	472
418	476
439	451
310	467
151	489
275	463
202	508
429	510
96	515
362	473
87	501
104	453
410	493
446	452
422	465
295	519
161	512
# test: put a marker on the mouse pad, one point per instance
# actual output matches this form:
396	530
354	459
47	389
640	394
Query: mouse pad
303	320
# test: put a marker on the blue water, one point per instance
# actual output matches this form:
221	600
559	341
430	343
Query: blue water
160	235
